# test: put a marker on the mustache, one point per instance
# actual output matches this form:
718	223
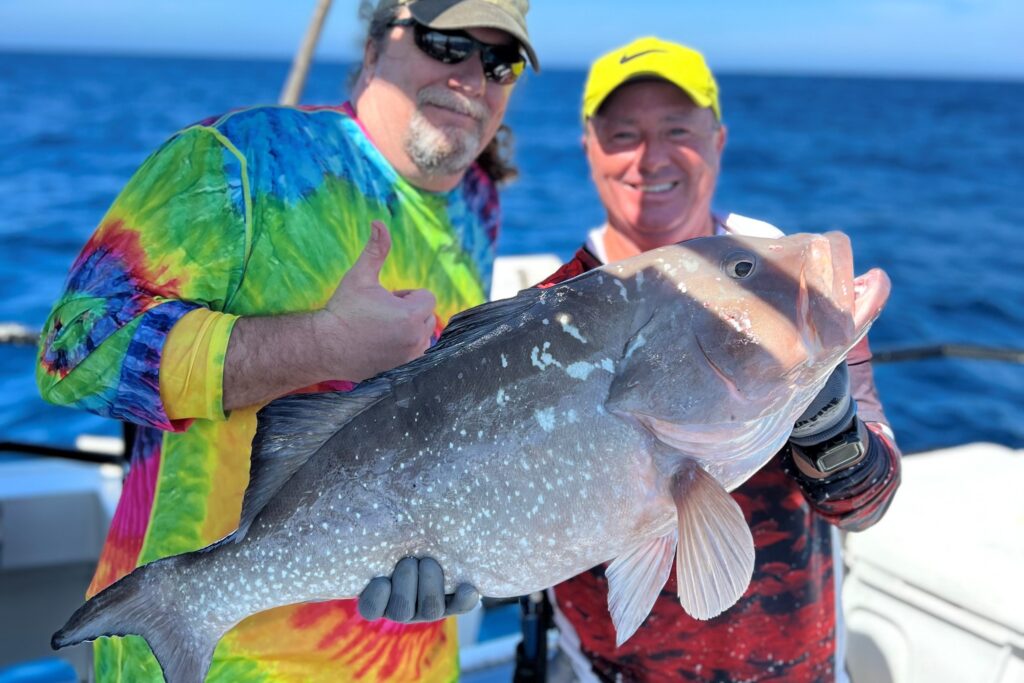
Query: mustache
446	99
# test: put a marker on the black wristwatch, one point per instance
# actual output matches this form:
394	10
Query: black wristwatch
842	450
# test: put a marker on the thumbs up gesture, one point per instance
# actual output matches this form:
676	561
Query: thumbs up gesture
365	329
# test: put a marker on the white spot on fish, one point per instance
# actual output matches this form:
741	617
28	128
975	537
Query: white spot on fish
566	322
502	397
571	417
504	361
580	370
608	365
545	418
622	291
541	358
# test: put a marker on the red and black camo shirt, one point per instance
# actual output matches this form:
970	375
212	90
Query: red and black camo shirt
784	628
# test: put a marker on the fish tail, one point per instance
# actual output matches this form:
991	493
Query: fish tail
183	646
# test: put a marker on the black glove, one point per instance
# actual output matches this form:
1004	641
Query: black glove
414	592
831	412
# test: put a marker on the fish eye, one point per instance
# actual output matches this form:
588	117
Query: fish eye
739	265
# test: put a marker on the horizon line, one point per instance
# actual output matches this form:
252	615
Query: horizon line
553	65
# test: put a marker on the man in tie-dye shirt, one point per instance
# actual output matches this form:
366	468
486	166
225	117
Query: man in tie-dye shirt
239	265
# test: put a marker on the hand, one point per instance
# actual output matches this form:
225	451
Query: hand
414	592
365	329
831	412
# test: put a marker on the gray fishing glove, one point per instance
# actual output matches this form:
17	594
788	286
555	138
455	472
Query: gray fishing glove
829	414
414	592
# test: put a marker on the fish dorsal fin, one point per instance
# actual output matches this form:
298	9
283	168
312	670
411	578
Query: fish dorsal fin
635	580
288	432
476	322
715	555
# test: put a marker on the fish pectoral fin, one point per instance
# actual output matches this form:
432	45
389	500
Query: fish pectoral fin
715	555
634	581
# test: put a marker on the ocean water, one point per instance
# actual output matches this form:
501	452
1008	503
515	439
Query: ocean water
927	178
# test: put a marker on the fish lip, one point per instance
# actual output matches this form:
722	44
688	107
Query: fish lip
841	252
871	291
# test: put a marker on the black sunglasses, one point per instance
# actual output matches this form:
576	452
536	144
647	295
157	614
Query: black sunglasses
503	64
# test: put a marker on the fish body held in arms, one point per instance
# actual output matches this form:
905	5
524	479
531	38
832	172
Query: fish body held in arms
601	419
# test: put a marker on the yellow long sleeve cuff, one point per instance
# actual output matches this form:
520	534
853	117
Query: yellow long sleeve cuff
192	367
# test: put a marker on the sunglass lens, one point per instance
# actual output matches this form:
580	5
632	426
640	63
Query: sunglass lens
501	69
450	49
502	64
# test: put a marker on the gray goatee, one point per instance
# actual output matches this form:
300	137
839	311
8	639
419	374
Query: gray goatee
444	150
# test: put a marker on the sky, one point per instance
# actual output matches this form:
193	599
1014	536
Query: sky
933	38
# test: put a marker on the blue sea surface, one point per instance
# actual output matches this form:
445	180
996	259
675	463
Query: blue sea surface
927	178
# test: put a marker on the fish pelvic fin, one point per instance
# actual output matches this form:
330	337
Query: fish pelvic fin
715	555
635	580
183	646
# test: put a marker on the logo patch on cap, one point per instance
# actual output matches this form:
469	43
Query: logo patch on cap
629	58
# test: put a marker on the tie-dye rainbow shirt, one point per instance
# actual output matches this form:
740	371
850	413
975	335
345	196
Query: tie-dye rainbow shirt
258	212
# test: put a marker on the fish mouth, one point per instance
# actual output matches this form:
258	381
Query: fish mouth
870	290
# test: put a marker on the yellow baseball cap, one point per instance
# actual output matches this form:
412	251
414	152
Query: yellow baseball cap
682	66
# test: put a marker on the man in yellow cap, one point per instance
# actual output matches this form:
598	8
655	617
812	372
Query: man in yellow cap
273	250
654	138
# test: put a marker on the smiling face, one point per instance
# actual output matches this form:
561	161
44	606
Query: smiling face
429	119
654	157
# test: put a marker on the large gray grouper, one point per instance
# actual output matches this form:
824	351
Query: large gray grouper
601	419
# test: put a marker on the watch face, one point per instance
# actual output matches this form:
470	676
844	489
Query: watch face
839	455
842	450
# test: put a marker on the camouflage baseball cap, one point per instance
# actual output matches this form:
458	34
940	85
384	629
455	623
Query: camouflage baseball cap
506	15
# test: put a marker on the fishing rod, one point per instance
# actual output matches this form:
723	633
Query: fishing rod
77	454
968	351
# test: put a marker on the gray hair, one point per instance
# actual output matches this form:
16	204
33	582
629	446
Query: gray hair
376	16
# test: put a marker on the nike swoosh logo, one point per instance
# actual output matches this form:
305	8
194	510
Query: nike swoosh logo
629	58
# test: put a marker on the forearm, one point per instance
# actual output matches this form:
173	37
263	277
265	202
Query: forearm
857	497
271	356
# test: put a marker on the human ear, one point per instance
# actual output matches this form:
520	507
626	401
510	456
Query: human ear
723	134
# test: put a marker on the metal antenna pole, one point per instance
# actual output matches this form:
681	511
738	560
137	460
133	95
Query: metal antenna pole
292	90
